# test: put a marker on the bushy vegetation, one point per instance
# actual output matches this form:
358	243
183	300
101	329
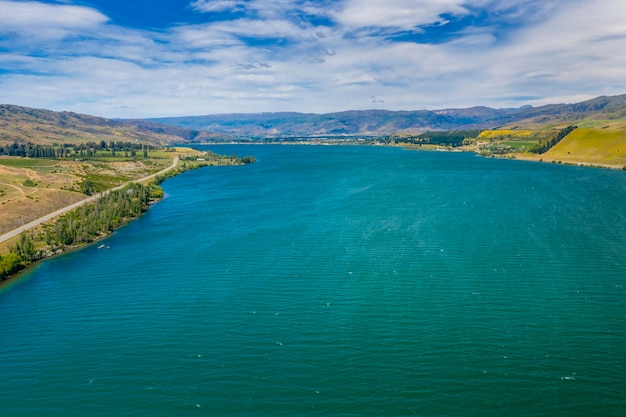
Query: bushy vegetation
20	255
247	159
107	213
451	138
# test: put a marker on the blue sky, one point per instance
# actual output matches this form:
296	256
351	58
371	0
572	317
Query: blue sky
144	58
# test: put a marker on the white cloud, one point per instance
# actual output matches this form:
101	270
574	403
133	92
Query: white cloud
46	20
399	14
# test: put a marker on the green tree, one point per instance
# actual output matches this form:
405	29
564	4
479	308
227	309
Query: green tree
9	264
87	187
24	248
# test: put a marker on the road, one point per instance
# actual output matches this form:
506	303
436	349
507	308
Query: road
71	207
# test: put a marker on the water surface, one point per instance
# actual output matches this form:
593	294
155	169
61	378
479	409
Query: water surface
336	281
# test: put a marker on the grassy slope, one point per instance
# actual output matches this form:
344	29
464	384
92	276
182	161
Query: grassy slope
591	146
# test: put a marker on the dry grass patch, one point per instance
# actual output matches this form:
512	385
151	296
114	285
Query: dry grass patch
20	203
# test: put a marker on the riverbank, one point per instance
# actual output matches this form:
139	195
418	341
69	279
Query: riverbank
95	218
571	160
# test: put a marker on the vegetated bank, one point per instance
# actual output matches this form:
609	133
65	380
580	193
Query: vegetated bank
92	222
603	148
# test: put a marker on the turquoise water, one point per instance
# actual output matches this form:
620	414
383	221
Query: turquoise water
336	281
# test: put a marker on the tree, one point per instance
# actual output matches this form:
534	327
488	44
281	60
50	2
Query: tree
87	187
24	248
9	264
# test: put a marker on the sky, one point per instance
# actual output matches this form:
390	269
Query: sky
153	58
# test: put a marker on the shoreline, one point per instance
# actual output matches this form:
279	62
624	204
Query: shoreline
156	178
522	157
540	160
51	253
14	279
511	156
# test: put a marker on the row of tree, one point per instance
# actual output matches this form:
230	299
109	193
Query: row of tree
545	145
445	138
69	150
89	222
449	138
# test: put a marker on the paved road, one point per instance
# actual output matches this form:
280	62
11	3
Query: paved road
71	207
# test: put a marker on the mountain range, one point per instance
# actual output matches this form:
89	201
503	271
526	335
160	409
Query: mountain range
384	122
23	124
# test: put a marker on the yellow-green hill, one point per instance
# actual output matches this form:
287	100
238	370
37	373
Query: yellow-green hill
591	146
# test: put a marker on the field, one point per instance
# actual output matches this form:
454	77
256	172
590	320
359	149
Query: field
507	141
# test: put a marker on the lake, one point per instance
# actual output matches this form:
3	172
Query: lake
336	281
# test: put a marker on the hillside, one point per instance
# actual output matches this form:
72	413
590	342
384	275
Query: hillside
45	127
610	110
591	146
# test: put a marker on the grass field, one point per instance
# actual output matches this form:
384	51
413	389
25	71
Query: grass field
27	162
602	124
507	134
519	144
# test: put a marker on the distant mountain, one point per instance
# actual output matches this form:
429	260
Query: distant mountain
383	122
23	124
